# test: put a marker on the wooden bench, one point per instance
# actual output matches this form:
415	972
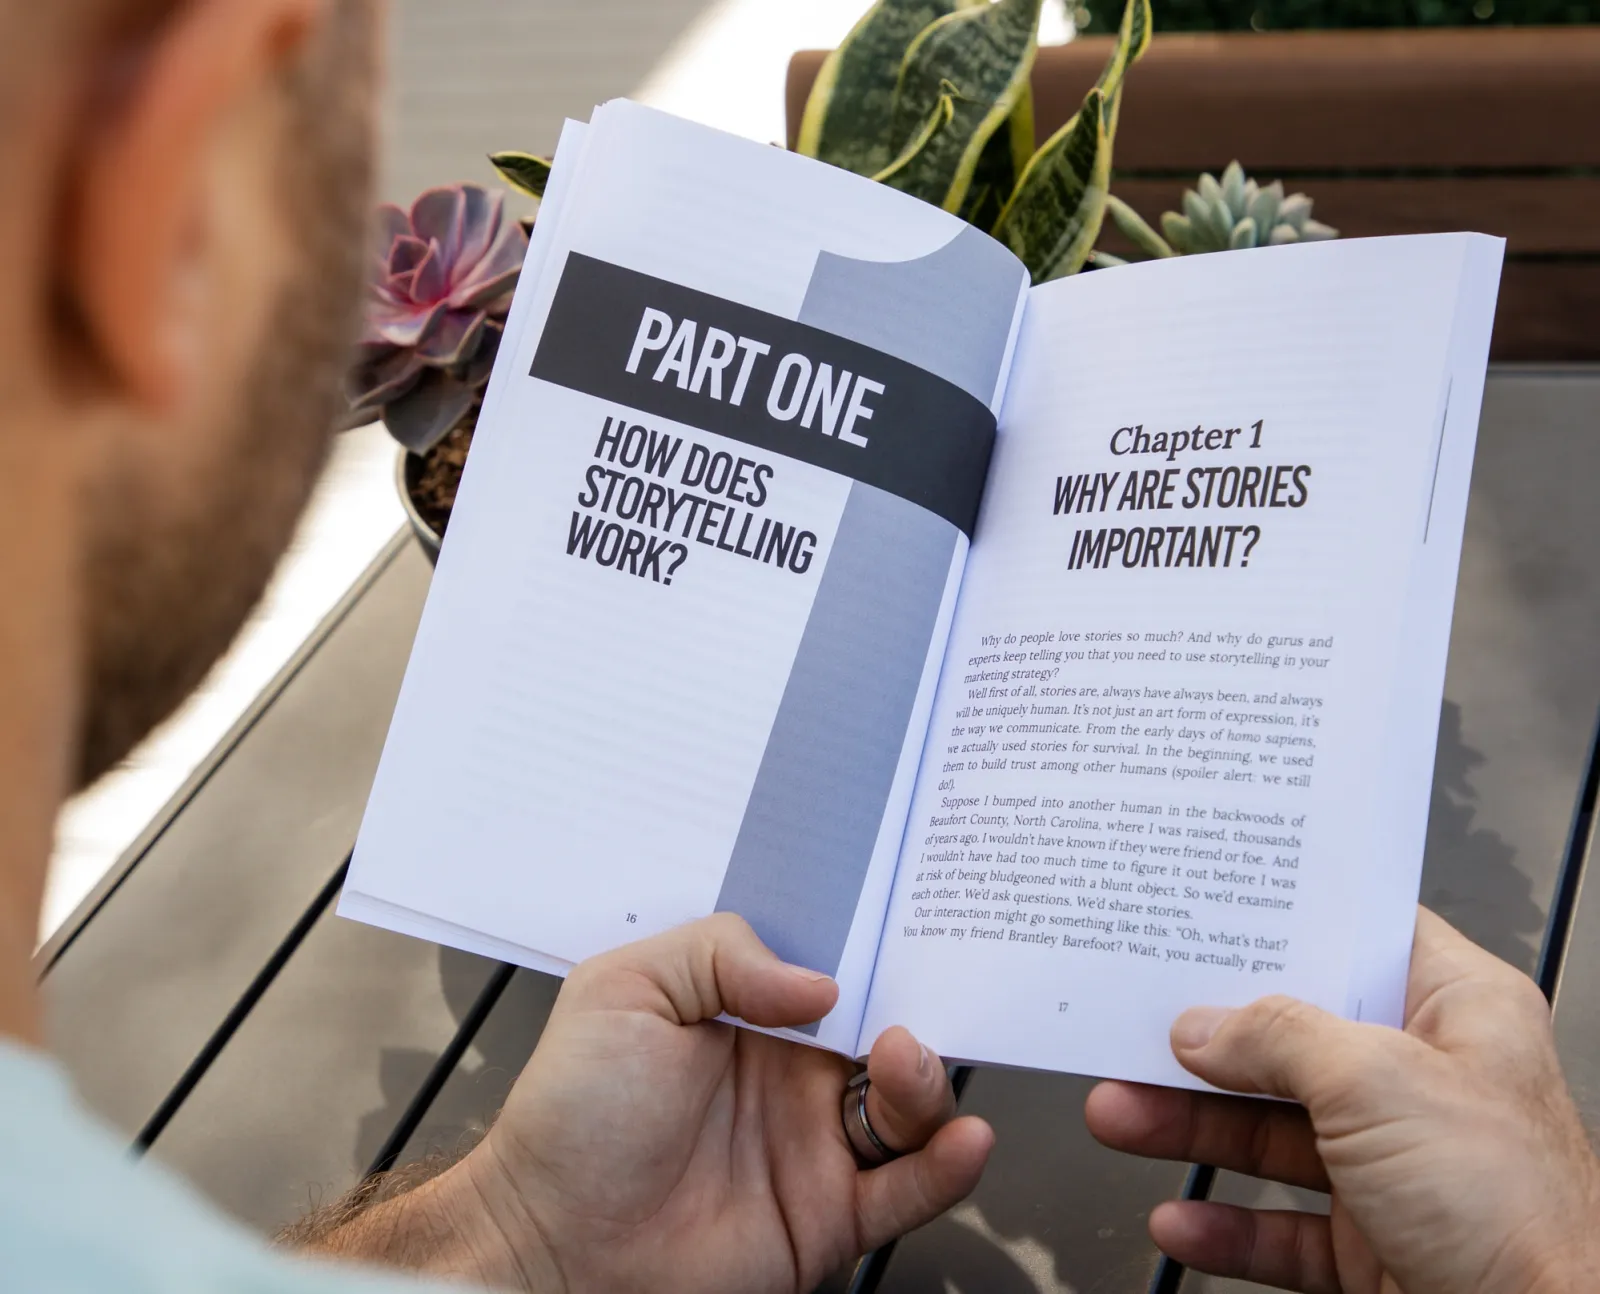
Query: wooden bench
1388	132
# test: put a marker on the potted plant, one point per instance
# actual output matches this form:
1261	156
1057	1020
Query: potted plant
1229	214
934	97
437	302
931	97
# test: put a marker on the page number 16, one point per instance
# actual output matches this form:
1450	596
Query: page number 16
632	918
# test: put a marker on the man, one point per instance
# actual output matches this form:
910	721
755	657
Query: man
185	189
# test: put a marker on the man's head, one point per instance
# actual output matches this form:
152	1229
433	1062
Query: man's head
193	178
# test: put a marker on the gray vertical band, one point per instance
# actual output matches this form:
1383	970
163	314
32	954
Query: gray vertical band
817	805
948	312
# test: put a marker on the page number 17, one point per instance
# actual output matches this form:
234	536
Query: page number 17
1062	1006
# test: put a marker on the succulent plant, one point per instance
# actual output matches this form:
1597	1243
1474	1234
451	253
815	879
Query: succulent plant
1220	215
436	309
932	98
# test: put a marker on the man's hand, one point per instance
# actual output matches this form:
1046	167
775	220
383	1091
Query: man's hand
1454	1153
647	1147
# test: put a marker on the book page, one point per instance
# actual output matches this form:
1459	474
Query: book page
1208	598
682	641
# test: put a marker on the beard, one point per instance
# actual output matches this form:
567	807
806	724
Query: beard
168	585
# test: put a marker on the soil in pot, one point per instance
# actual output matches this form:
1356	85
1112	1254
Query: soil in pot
434	492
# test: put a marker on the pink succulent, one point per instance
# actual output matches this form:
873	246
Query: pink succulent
436	309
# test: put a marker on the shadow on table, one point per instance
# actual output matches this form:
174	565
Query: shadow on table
477	1088
1057	1213
1470	876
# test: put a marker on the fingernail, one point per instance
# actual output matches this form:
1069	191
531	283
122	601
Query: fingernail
1196	1026
806	973
925	1059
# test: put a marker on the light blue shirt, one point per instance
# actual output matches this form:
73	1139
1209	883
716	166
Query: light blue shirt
79	1216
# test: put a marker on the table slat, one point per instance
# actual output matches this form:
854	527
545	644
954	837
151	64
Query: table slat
295	1109
479	1084
1056	1212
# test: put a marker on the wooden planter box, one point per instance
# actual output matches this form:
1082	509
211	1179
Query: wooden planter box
1494	130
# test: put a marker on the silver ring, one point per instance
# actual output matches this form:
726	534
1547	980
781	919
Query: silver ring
869	1147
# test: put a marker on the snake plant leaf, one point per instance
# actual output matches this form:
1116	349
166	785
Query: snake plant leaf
846	120
523	172
987	50
1001	162
938	120
1134	228
1054	217
1133	38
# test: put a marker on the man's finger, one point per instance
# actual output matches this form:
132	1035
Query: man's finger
1462	997
1442	958
910	1192
711	967
910	1096
1283	1249
1257	1138
1283	1047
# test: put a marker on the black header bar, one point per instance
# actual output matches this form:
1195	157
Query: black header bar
767	381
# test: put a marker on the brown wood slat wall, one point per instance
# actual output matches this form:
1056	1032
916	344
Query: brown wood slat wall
1503	98
1389	132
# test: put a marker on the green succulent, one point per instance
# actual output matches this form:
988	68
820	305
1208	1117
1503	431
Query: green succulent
1219	216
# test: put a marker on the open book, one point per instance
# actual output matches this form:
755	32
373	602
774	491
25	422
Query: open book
1036	661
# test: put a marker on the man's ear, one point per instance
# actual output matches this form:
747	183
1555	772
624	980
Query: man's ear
137	231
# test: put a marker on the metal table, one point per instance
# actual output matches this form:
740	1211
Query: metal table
212	1007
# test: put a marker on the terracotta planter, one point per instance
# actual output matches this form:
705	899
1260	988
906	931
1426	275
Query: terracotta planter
1389	132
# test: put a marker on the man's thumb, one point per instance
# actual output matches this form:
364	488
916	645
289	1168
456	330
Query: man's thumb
1275	1047
711	967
